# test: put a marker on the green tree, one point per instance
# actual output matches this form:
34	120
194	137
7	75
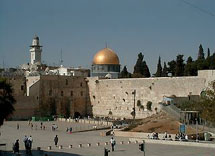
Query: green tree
209	53
159	68
6	100
149	105
139	64
141	69
165	70
171	68
146	72
124	73
212	61
190	69
179	69
201	53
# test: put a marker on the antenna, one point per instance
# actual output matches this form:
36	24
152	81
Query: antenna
61	57
3	63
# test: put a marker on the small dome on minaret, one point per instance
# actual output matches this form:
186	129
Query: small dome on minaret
35	41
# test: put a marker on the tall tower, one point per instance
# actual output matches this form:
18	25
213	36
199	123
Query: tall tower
36	51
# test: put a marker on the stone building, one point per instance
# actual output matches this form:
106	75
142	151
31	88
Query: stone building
60	95
25	106
105	64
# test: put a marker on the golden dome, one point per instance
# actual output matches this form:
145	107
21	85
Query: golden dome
106	56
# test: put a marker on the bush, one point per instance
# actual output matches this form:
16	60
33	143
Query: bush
149	105
138	103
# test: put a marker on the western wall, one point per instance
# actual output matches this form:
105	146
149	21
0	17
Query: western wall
114	98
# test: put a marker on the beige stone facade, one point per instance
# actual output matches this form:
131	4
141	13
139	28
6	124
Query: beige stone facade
65	92
101	97
115	95
24	106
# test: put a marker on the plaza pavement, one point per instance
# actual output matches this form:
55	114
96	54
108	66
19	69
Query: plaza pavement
44	138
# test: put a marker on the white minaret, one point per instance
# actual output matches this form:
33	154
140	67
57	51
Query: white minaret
36	51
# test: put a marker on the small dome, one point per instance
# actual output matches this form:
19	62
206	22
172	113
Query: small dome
106	56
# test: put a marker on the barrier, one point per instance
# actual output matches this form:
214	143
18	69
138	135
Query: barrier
88	144
98	144
60	147
129	142
70	146
121	142
80	145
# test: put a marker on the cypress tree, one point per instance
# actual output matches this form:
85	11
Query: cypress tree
209	53
201	53
164	72
179	69
159	68
188	70
171	69
138	65
124	73
145	71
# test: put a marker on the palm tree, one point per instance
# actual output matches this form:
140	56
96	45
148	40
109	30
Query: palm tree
6	100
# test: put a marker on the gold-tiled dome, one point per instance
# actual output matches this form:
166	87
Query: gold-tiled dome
106	56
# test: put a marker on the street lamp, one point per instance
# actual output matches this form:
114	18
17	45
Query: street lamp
134	111
196	130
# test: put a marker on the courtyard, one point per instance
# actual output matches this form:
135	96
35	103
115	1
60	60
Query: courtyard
44	138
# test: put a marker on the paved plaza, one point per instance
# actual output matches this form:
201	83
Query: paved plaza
45	138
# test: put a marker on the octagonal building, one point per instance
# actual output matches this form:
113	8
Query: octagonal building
105	64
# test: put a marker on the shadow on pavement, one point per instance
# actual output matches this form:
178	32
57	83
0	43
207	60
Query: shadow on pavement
37	153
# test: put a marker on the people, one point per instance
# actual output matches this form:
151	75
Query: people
186	137
113	143
16	146
25	141
70	130
56	140
30	139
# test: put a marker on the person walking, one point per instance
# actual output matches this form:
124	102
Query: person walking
30	139
25	141
56	140
113	143
17	126
16	146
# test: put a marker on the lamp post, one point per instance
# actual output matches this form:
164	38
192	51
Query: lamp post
134	111
196	130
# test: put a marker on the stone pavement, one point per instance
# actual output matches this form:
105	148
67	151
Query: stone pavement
43	139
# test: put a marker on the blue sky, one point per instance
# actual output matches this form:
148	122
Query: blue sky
81	27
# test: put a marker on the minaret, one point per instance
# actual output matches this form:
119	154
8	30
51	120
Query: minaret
35	51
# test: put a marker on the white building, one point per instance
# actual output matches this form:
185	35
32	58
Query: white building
36	51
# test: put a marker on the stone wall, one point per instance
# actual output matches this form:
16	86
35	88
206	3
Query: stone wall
24	106
114	98
66	90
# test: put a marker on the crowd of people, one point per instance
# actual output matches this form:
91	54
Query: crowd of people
27	142
178	137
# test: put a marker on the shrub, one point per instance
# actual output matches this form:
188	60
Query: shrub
149	105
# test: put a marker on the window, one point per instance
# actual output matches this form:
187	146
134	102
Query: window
66	82
50	92
81	93
81	84
71	93
22	87
61	93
